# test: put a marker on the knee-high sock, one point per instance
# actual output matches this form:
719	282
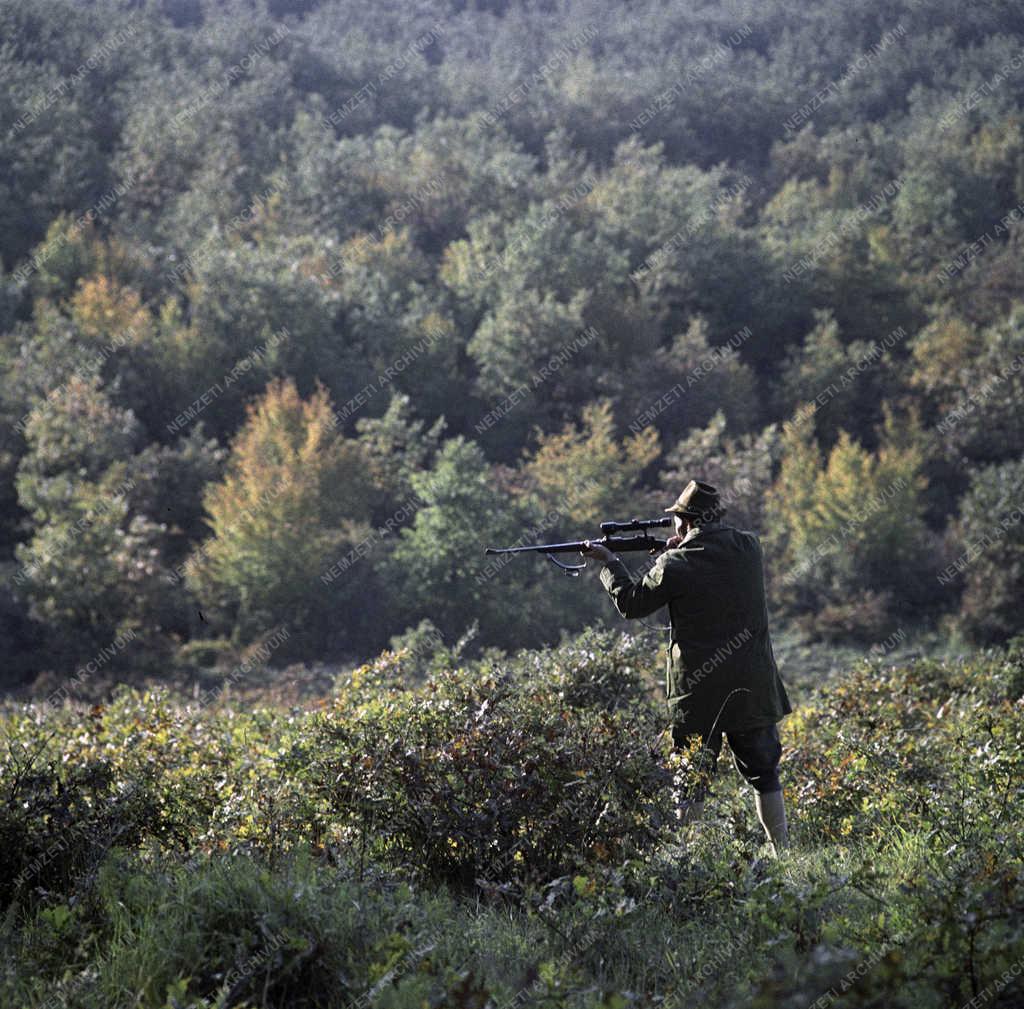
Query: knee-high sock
771	811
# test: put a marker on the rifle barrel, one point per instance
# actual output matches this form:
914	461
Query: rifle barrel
573	546
616	543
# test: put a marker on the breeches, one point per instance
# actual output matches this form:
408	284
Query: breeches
756	754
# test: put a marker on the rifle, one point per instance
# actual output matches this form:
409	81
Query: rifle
618	544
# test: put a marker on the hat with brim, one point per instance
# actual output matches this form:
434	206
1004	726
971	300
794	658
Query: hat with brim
698	501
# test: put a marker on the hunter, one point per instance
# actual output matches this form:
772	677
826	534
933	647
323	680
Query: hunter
721	674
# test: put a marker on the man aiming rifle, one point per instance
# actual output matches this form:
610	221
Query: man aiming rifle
721	675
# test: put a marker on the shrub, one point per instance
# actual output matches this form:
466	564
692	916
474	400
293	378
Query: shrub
865	616
486	775
58	823
599	669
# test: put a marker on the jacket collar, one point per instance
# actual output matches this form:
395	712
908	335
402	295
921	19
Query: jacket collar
708	527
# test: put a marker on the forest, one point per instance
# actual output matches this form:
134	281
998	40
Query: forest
305	303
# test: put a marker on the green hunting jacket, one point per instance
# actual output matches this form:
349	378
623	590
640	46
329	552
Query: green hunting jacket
720	661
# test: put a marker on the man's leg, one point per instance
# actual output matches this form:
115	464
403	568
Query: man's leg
691	803
771	811
756	754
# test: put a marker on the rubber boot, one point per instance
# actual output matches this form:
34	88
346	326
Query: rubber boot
771	811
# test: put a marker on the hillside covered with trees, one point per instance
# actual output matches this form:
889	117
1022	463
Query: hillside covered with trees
304	303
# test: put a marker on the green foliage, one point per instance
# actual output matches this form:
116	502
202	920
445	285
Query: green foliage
520	226
53	160
932	746
250	319
854	520
295	494
974	380
986	546
70	799
437	558
604	670
516	222
486	775
740	467
696	380
169	852
586	472
396	446
93	568
848	382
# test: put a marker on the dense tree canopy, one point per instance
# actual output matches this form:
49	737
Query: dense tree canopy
460	272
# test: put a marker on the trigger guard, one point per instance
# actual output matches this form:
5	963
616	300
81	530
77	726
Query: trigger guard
573	570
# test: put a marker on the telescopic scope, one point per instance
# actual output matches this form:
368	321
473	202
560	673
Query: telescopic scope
634	525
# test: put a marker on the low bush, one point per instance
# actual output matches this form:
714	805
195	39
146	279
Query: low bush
501	830
489	773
